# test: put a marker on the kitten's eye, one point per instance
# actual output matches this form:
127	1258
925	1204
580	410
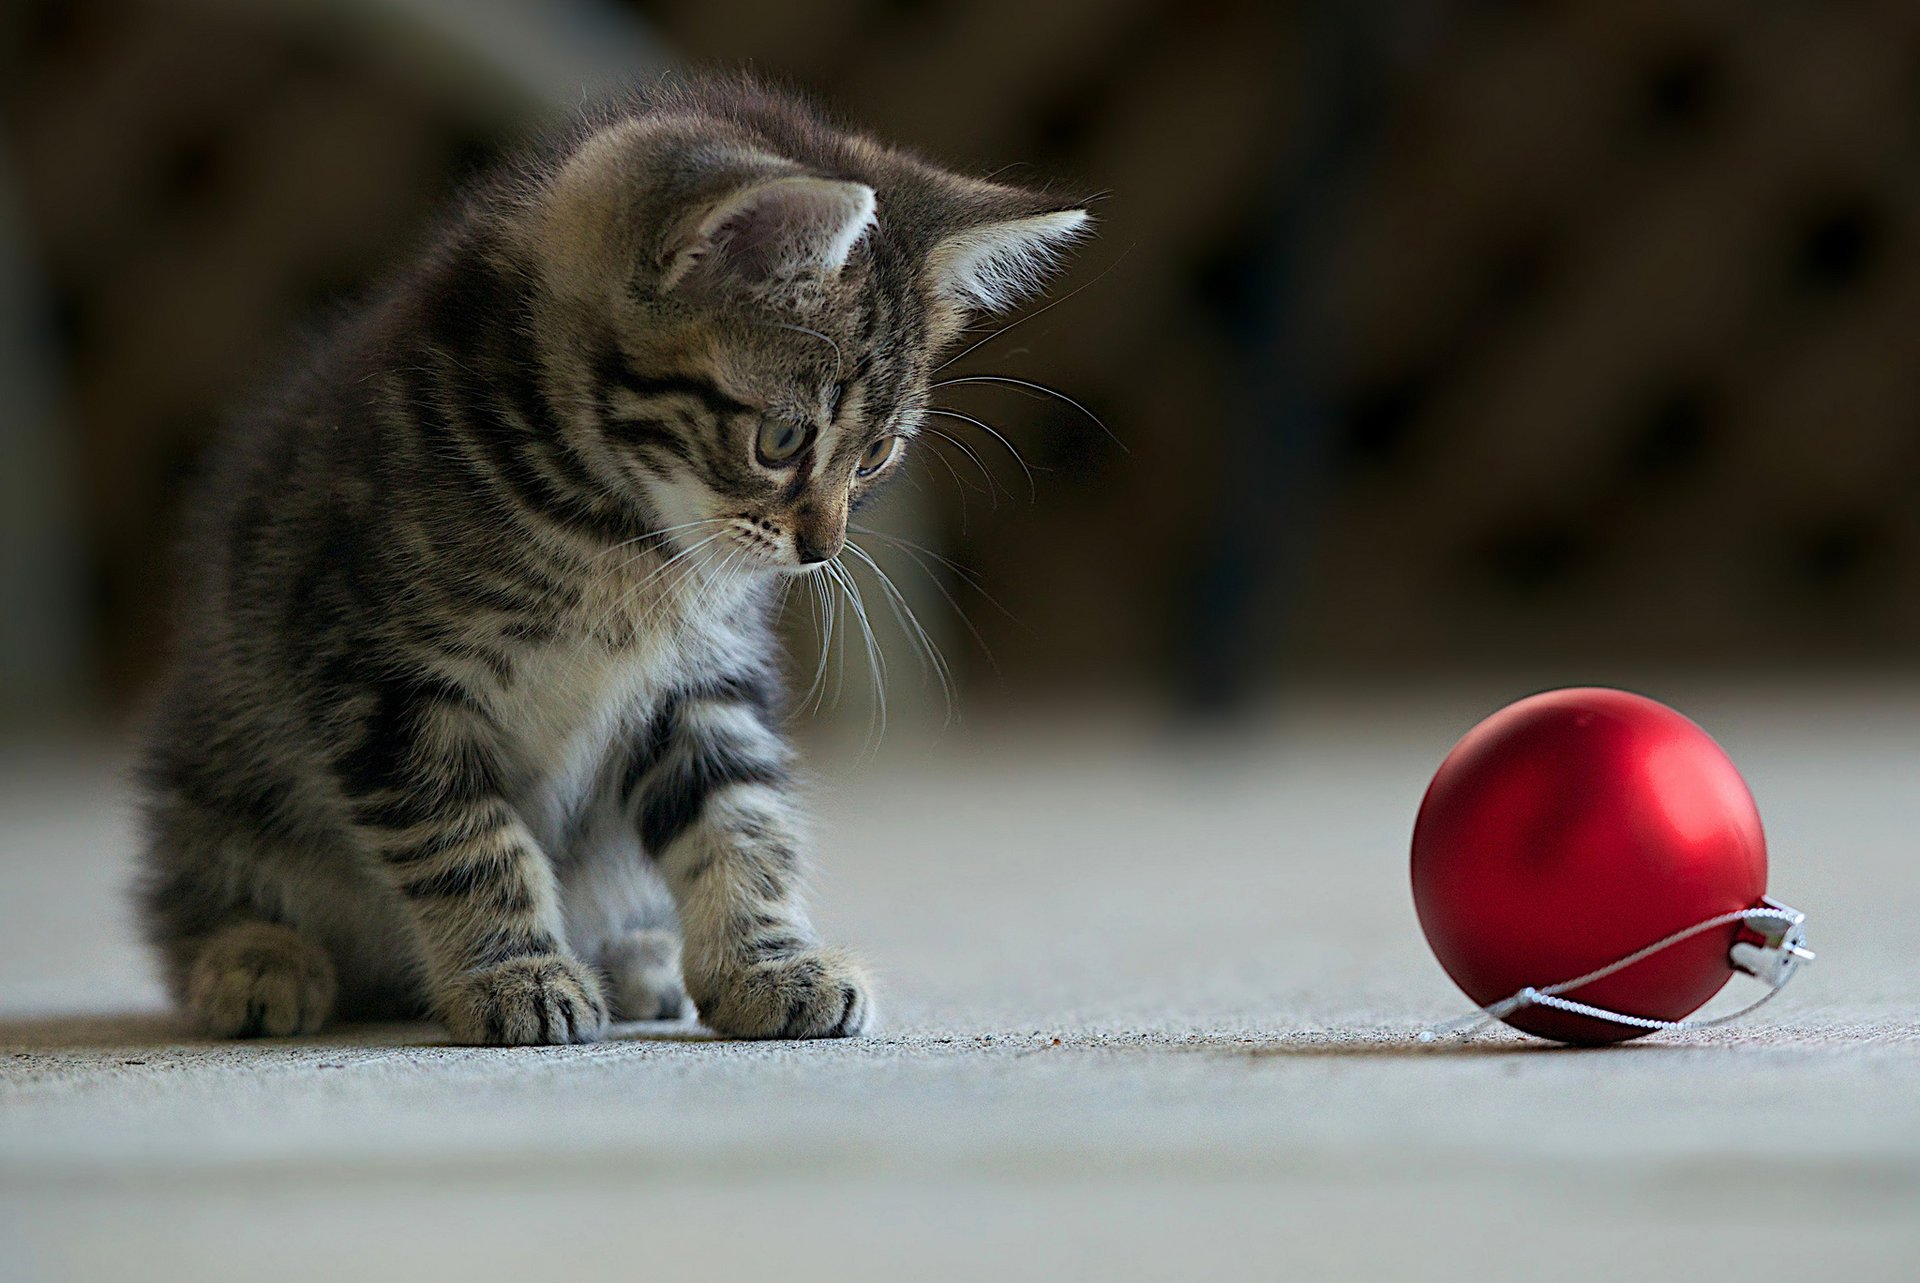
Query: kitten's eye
780	440
875	456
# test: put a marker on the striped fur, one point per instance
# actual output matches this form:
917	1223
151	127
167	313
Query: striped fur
476	704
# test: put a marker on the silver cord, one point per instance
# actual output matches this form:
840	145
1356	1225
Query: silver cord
1549	995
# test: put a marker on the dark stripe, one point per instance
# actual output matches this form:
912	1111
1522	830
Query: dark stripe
492	594
530	631
508	449
513	943
756	690
471	292
390	732
458	882
480	318
447	454
700	389
651	434
495	817
400	809
849	996
471	485
642	430
520	382
674	803
749	689
650	748
337	571
442	642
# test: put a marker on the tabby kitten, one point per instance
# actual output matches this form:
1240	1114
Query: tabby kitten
475	706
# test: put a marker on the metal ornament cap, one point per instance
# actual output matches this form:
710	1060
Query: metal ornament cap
1573	828
1771	948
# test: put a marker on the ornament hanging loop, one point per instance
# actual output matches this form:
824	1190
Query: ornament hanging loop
1771	945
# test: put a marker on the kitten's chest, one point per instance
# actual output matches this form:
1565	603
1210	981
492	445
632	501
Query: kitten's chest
571	708
562	713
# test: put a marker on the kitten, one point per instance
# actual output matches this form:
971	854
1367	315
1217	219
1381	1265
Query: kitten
475	706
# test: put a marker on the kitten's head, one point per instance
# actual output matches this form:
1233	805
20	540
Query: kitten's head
765	296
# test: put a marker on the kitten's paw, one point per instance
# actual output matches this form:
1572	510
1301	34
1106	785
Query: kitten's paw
258	979
643	977
812	993
532	1001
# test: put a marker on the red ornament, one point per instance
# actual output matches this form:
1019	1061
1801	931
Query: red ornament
1571	829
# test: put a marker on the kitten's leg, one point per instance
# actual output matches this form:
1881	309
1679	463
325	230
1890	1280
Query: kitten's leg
479	889
483	898
714	810
620	916
236	972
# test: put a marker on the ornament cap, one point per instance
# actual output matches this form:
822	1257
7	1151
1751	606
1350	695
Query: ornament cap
1770	947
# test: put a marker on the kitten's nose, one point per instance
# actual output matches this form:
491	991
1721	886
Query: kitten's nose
810	552
818	535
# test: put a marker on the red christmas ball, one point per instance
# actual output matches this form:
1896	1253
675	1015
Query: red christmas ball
1567	831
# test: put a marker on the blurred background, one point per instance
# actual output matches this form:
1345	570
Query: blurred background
1448	350
1561	339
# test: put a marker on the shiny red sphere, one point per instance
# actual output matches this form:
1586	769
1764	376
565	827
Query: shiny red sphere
1571	829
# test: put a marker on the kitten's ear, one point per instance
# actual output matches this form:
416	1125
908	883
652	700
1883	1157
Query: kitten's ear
771	232
995	265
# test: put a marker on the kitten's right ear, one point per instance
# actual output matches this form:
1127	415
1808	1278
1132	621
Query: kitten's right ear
994	265
771	232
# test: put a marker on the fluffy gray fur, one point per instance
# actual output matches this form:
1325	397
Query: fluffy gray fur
475	710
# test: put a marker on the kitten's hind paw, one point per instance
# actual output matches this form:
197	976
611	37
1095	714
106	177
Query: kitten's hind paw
643	977
541	999
257	979
811	993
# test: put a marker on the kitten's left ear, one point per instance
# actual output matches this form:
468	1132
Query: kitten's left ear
993	266
772	232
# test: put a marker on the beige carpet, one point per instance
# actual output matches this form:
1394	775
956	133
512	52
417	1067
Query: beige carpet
1149	1006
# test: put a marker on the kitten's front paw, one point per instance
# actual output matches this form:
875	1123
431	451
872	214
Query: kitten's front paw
537	1000
812	993
260	978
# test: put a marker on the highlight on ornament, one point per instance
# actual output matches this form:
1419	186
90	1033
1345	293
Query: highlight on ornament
1589	867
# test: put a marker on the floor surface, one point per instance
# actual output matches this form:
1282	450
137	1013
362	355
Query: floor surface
1149	1004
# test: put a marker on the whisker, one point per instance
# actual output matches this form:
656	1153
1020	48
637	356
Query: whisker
1033	490
634	589
876	660
960	487
840	657
817	688
910	624
1041	388
655	534
967	574
716	578
994	484
912	552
